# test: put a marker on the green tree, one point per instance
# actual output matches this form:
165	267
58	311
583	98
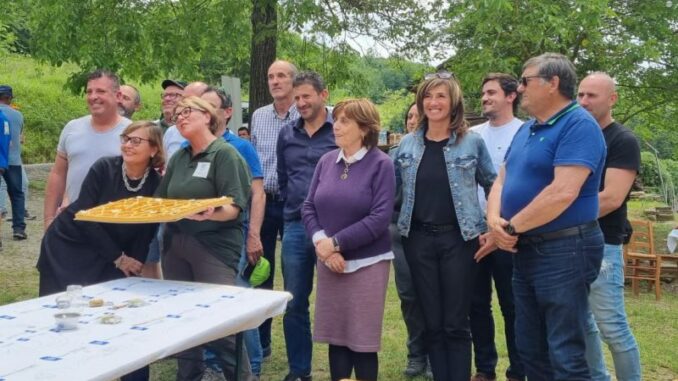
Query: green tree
633	40
143	40
201	39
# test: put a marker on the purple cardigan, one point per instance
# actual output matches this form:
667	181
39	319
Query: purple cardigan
356	211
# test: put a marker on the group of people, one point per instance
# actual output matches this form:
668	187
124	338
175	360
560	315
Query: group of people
534	206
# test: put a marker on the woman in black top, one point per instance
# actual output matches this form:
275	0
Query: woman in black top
78	252
441	165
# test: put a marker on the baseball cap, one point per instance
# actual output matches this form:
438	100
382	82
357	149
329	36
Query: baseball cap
6	90
257	274
173	82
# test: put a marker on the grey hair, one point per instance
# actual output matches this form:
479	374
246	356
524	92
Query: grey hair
293	69
551	65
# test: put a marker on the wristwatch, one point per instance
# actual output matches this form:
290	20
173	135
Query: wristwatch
335	243
510	229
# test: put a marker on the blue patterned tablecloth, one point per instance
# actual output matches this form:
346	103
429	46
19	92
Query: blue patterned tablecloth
177	316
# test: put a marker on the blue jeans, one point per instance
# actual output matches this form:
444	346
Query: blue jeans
298	266
497	266
251	336
607	314
272	226
3	189
155	247
551	281
14	181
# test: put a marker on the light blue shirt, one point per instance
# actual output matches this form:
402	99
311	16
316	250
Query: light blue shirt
265	127
16	125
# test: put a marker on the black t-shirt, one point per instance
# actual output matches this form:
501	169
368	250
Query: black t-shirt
433	202
623	152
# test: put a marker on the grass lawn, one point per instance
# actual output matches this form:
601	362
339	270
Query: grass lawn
655	324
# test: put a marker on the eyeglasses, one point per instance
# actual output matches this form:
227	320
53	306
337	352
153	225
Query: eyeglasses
135	140
524	80
440	74
170	95
185	113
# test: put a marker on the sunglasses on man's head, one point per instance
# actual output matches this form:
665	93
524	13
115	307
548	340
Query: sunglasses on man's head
440	74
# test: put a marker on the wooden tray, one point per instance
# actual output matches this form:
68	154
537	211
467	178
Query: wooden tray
144	210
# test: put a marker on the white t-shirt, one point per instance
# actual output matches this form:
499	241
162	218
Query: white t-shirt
172	141
83	145
497	140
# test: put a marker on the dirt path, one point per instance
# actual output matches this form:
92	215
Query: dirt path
18	277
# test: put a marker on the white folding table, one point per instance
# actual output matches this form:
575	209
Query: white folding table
177	316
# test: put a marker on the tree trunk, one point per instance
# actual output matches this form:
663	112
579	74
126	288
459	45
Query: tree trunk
263	53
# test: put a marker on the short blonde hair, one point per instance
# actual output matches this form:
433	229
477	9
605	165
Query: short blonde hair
363	112
154	139
202	105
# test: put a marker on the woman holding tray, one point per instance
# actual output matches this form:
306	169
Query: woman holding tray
79	252
204	247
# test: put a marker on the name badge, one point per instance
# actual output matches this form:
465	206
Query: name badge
202	170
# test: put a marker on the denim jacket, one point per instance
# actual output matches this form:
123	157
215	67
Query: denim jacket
468	165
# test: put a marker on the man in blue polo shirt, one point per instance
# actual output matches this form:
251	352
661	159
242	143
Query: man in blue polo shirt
544	208
300	145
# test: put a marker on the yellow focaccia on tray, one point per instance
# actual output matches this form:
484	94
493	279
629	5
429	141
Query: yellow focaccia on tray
141	210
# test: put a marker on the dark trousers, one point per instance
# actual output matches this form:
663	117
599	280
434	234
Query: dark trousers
409	305
17	198
497	266
186	259
443	272
272	226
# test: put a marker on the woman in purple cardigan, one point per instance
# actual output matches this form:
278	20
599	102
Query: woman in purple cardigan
347	212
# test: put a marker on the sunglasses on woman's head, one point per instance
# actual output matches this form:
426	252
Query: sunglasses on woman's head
440	74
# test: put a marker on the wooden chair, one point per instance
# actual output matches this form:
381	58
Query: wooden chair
640	260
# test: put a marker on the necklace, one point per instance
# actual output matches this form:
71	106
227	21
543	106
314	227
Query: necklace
344	175
126	181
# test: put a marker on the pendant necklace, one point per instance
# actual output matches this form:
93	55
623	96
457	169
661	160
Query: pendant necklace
344	175
126	181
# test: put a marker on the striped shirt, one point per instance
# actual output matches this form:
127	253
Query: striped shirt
265	126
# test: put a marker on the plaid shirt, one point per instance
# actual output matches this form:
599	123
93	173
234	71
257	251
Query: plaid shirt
265	126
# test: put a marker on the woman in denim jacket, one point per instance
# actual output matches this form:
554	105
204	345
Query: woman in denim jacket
440	167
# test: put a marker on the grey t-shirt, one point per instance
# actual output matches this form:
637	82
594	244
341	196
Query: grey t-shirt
83	145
